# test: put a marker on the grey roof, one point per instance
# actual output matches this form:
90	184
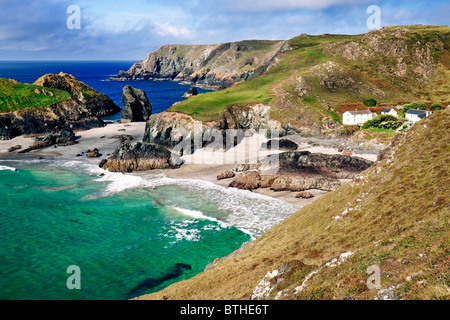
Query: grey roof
387	110
360	112
416	112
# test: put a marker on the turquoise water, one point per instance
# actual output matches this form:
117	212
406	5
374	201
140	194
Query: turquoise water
116	228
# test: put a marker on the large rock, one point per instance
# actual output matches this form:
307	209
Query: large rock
191	92
136	106
97	103
140	156
337	166
299	183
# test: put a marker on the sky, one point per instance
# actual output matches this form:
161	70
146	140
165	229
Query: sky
130	29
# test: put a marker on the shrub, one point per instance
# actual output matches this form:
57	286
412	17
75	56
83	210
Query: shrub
375	122
370	102
436	106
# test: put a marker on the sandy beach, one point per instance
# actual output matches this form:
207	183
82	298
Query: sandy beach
203	165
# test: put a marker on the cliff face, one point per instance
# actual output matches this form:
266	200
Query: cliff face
219	65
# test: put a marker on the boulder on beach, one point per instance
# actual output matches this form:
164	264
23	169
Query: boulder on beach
136	106
60	136
304	195
282	144
225	175
138	156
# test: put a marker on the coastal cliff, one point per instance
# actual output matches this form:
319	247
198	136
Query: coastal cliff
218	65
53	101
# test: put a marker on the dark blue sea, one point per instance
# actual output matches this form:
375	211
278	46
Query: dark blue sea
162	94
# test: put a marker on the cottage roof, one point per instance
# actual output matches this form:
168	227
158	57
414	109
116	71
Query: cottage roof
359	112
416	112
387	110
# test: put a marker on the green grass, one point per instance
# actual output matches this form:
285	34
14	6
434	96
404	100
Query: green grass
15	96
376	130
335	117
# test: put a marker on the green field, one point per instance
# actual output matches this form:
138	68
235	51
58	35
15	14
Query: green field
15	96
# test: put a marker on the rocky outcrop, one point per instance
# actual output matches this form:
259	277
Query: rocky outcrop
218	65
252	180
336	166
140	156
136	106
45	119
98	104
60	136
191	92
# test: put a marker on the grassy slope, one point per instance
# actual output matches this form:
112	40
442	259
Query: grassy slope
15	95
277	86
401	211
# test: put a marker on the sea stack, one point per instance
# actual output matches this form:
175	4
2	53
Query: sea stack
191	92
136	106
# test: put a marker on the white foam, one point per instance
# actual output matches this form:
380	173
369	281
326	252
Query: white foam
199	215
250	212
6	168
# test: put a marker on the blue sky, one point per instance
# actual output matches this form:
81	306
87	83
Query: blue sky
128	30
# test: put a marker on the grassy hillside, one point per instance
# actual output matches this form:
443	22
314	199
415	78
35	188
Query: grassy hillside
395	216
15	95
319	73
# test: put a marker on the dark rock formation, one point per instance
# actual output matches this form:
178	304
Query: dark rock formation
97	103
45	119
15	148
93	154
136	106
282	144
60	136
140	156
191	92
305	162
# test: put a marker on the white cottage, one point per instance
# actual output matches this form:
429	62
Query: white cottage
357	117
391	112
414	115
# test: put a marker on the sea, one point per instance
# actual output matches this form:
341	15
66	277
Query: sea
125	234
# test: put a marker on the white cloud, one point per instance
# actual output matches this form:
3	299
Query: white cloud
285	5
166	29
